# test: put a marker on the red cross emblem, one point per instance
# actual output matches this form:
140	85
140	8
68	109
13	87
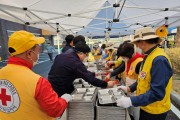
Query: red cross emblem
3	97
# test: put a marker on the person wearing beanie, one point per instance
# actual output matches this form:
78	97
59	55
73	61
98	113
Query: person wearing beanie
69	66
69	43
25	95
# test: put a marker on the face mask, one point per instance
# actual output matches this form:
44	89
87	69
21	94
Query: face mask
125	59
139	50
35	62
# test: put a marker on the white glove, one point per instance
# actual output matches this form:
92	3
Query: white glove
124	88
110	70
67	97
124	102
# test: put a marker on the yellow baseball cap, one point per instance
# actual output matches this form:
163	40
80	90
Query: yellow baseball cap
21	41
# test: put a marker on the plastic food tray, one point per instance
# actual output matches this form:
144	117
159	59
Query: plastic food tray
84	108
111	95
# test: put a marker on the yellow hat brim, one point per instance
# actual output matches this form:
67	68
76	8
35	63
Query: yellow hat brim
38	40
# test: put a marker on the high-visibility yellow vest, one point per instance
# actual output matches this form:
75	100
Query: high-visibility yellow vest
110	56
95	52
17	89
118	62
144	80
132	76
131	73
90	57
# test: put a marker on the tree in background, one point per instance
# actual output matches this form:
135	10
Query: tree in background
177	40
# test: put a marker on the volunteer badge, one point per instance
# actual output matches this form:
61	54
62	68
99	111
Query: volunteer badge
9	98
142	74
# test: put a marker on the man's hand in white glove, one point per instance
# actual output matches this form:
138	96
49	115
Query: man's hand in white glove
124	102
124	88
67	97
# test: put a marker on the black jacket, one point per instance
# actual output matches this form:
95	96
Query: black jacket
66	47
65	69
121	68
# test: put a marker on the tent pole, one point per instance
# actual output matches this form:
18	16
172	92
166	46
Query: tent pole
48	12
72	25
159	23
77	27
97	24
106	15
139	7
33	3
43	20
166	40
92	18
121	9
58	37
71	16
174	9
66	15
140	15
12	15
94	10
116	11
174	22
63	29
9	7
40	18
71	29
162	19
35	22
161	9
95	28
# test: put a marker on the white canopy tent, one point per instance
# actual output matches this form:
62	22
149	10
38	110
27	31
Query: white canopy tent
121	17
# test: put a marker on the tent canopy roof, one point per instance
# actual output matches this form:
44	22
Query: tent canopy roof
92	17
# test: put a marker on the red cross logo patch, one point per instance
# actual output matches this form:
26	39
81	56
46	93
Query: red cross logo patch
3	97
9	98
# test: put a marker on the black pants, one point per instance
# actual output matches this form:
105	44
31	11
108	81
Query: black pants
147	116
50	56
